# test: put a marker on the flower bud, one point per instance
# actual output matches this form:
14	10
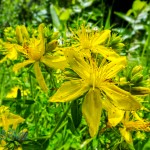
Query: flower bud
136	70
54	35
51	45
70	73
137	78
140	90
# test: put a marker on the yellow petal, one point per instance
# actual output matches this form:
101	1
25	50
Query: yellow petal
106	52
24	32
2	145
126	135
115	115
7	118
13	92
4	122
14	120
13	54
70	90
41	30
39	77
78	64
10	54
91	109
111	69
102	37
57	62
21	65
120	98
19	34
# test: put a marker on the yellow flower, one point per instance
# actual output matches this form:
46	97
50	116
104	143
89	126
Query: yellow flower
9	51
133	125
96	83
2	145
89	41
8	47
114	114
13	92
7	119
35	50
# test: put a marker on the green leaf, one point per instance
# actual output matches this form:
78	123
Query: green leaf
38	145
126	18
65	15
107	24
18	94
76	113
70	125
55	18
147	146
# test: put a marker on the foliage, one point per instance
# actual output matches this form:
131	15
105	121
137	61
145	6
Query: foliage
72	80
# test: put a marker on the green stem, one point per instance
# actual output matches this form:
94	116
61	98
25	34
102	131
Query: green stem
2	85
48	137
60	121
146	46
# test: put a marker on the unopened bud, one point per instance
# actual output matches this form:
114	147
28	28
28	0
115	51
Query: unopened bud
136	70
137	78
140	90
54	35
51	45
70	73
11	40
120	46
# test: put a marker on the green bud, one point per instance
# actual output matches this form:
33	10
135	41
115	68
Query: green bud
137	78
11	146
136	70
116	42
17	143
70	73
51	45
140	91
120	45
11	40
115	39
54	35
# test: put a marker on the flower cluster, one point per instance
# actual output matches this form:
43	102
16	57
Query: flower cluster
90	65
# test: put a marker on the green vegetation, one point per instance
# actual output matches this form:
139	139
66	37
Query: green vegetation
74	74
